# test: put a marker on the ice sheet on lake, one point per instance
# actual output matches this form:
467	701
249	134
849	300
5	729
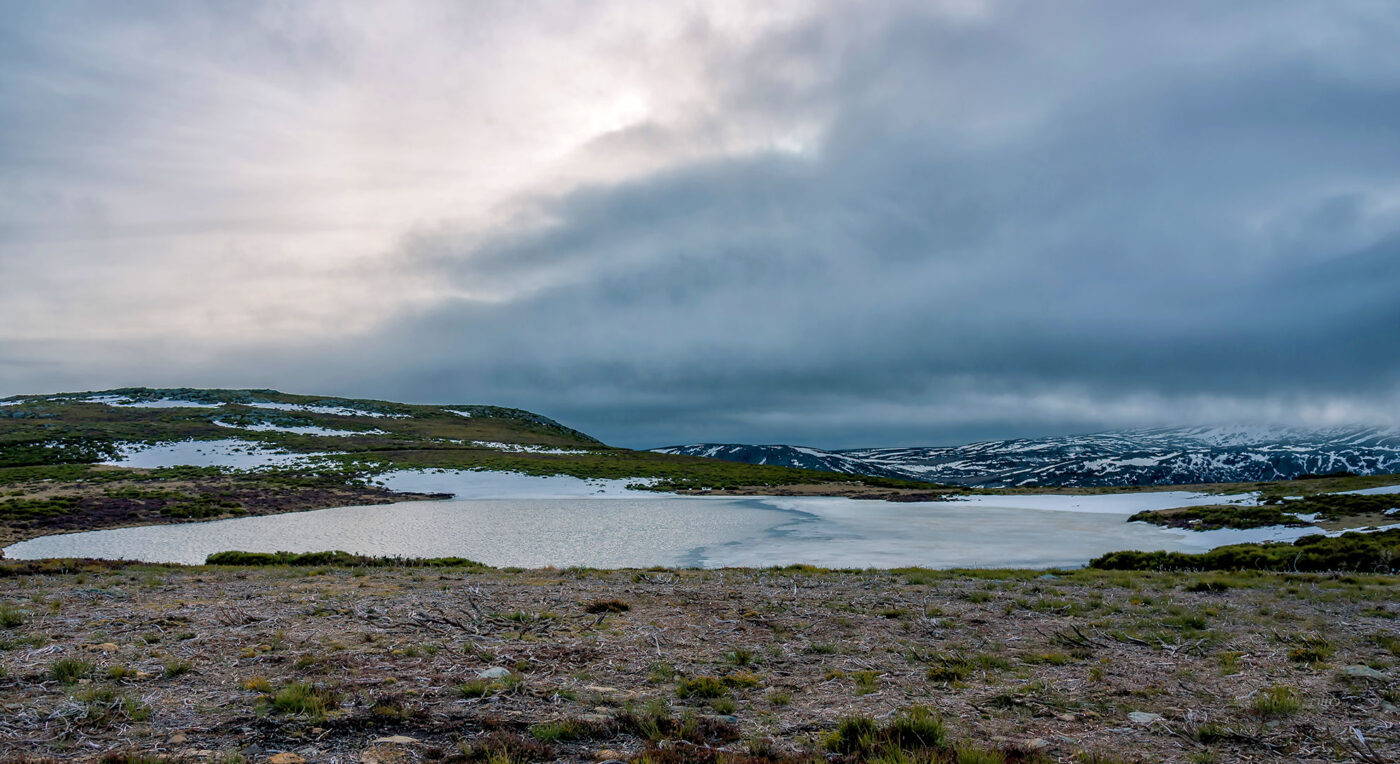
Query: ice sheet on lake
566	522
474	484
1106	503
236	454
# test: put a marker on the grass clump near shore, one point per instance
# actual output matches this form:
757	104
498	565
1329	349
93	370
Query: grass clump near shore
337	559
1360	552
1334	506
1209	518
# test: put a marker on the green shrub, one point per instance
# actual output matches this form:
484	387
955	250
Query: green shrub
1364	552
70	670
336	558
702	687
914	729
1276	702
305	698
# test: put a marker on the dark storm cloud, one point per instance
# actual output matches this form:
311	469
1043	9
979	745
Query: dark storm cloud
1181	203
1040	218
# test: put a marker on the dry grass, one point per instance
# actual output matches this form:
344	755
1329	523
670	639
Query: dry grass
736	666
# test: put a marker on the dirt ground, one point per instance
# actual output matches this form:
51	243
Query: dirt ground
96	508
386	665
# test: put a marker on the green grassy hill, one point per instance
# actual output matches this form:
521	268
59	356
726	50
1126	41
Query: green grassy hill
362	436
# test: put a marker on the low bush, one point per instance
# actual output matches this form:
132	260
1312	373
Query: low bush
1363	552
337	559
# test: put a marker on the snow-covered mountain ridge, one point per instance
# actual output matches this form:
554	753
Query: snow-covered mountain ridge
1152	456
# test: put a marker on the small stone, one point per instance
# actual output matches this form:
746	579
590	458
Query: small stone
384	754
600	689
1143	717
495	672
1036	744
286	758
1364	672
396	740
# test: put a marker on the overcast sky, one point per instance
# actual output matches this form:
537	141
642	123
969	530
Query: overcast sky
835	224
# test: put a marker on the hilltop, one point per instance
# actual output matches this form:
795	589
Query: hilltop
81	461
1142	457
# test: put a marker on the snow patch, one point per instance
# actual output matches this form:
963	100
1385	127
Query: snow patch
299	430
332	410
163	403
1373	491
517	448
231	453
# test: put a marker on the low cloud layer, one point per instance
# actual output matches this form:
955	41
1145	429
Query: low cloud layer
830	224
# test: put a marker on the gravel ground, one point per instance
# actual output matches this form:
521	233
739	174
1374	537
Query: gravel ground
386	665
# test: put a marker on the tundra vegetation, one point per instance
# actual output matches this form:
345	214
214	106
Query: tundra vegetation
1261	652
348	659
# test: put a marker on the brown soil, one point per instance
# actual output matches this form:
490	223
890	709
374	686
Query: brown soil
187	662
97	509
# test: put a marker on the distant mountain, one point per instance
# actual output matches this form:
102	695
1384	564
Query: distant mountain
1156	456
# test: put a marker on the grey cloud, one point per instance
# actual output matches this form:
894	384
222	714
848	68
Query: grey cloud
1052	218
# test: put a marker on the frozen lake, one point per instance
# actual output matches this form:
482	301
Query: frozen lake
512	520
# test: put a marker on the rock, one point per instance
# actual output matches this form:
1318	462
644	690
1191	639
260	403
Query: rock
495	672
396	740
1036	744
1364	672
1143	717
385	754
286	758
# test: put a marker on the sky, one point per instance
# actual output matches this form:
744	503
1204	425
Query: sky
836	224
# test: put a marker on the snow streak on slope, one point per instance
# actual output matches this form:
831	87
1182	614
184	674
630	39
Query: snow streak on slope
1157	456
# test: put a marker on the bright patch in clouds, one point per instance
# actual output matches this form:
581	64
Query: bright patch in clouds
837	224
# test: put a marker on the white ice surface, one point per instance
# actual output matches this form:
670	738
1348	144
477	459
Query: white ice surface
1106	503
470	484
236	454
